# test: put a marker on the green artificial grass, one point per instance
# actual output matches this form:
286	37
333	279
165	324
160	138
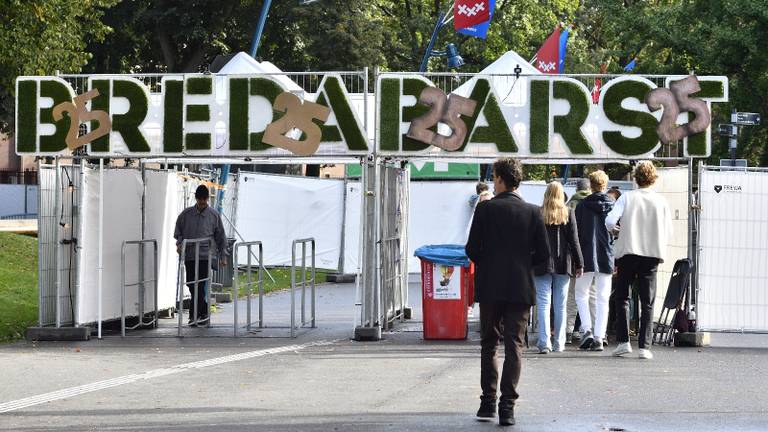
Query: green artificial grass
282	280
18	285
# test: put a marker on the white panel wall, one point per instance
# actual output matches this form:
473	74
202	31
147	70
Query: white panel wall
352	221
163	203
733	266
279	209
12	197
673	186
122	221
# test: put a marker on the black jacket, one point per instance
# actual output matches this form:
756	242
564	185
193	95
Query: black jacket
596	247
506	240
565	252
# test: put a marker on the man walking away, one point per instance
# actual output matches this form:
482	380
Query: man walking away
506	240
199	221
646	225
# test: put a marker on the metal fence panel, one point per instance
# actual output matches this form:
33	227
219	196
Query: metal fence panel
733	245
46	237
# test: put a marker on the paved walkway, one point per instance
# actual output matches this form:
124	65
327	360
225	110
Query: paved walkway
323	381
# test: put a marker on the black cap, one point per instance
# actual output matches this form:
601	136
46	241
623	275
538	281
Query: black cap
201	192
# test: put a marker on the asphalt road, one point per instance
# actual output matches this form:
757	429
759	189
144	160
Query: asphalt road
323	381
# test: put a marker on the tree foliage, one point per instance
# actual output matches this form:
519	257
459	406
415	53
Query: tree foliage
717	37
40	37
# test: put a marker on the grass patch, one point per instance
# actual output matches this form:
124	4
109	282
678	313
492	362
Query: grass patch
18	285
282	279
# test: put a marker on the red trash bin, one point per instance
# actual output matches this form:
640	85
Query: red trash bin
444	300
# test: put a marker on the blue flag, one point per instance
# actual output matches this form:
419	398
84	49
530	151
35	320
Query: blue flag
480	30
630	65
563	49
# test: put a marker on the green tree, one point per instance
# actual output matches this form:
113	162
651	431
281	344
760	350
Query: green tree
40	37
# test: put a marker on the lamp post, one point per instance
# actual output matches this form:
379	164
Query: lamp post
451	52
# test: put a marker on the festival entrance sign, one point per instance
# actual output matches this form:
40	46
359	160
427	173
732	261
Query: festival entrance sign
557	120
258	115
187	115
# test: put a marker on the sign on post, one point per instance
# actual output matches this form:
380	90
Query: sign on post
745	118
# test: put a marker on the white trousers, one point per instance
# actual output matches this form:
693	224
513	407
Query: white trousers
602	296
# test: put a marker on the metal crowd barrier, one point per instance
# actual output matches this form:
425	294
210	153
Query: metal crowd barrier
248	285
141	284
392	286
304	281
182	276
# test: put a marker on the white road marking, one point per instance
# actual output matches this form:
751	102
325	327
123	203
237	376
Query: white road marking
155	373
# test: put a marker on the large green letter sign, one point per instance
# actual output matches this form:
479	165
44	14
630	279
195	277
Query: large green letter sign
198	114
553	117
547	117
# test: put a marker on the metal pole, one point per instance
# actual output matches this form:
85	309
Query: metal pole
365	101
41	228
250	289
58	217
432	40
122	291
101	240
157	313
260	27
207	285
142	256
196	276
236	289
313	283
261	287
691	227
303	282
341	269
293	289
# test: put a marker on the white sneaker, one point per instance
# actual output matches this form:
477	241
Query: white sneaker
645	354
623	348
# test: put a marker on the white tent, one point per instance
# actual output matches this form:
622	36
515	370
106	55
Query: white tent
243	63
510	90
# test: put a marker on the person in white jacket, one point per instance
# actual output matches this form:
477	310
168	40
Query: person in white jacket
644	222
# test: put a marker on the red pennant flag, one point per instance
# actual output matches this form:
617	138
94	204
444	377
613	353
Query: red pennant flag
596	91
548	56
467	13
598	84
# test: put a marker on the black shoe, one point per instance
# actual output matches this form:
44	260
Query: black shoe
586	340
597	345
202	320
487	411
191	323
506	415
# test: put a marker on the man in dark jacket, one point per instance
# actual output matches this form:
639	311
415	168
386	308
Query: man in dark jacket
506	240
196	222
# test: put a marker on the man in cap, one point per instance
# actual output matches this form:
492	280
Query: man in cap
200	221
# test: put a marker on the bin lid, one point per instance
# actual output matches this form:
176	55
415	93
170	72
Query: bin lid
448	254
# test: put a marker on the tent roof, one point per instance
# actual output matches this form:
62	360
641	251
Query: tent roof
242	63
503	65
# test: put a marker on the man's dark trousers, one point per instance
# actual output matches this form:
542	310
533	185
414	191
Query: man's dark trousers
515	318
643	269
202	301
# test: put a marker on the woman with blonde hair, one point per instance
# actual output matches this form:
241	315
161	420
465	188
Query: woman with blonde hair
553	277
